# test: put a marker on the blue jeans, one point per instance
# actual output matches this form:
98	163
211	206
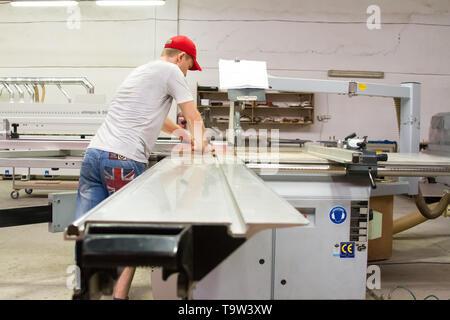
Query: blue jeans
102	173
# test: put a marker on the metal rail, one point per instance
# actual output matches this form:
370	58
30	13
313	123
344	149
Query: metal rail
298	169
408	171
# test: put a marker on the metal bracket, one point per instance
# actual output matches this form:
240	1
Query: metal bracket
352	88
5	129
108	246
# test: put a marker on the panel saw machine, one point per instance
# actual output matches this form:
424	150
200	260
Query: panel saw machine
278	223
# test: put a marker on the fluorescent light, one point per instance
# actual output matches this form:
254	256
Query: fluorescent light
44	3
124	3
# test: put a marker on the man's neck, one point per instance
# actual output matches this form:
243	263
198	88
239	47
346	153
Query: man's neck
168	59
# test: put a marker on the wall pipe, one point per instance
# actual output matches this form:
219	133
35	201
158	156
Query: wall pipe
20	92
47	80
30	91
11	92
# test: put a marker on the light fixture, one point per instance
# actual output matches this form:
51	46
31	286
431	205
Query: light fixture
124	3
54	3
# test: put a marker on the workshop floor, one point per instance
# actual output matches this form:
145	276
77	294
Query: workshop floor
35	264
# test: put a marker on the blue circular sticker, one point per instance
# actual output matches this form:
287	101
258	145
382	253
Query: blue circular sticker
338	215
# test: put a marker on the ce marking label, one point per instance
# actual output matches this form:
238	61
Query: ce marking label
347	250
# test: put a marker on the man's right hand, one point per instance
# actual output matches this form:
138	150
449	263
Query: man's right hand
208	148
196	126
205	147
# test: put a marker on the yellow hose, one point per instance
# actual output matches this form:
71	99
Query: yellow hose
36	93
43	93
437	211
410	220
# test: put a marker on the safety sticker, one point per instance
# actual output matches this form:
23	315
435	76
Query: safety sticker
338	215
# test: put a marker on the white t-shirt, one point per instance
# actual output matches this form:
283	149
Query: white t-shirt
138	110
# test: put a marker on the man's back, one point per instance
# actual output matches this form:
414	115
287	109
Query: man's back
139	108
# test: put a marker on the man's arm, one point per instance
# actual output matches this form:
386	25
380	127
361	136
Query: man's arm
169	126
172	128
195	124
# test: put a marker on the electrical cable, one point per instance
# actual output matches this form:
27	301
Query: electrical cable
431	296
389	297
372	294
401	287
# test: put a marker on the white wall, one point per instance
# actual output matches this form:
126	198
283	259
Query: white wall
108	45
297	38
307	38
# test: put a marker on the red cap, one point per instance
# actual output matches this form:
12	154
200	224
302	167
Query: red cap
184	44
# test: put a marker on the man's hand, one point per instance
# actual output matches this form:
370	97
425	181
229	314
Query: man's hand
184	136
196	127
172	128
203	147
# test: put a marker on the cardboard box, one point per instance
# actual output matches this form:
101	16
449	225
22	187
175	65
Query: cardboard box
381	248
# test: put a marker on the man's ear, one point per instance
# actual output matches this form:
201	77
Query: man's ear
180	56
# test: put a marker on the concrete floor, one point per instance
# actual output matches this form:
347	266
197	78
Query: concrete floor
420	263
34	263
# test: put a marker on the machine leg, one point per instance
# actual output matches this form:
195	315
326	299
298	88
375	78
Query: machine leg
410	129
94	282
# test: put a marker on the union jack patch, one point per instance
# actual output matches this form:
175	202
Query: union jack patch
116	178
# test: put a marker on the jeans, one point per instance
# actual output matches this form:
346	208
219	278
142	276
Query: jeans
101	175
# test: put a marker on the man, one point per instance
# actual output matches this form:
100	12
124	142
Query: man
138	112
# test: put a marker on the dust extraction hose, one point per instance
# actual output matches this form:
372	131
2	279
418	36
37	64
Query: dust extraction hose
440	207
409	221
423	213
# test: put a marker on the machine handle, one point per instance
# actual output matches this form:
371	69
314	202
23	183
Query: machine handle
14	133
382	157
350	136
372	180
